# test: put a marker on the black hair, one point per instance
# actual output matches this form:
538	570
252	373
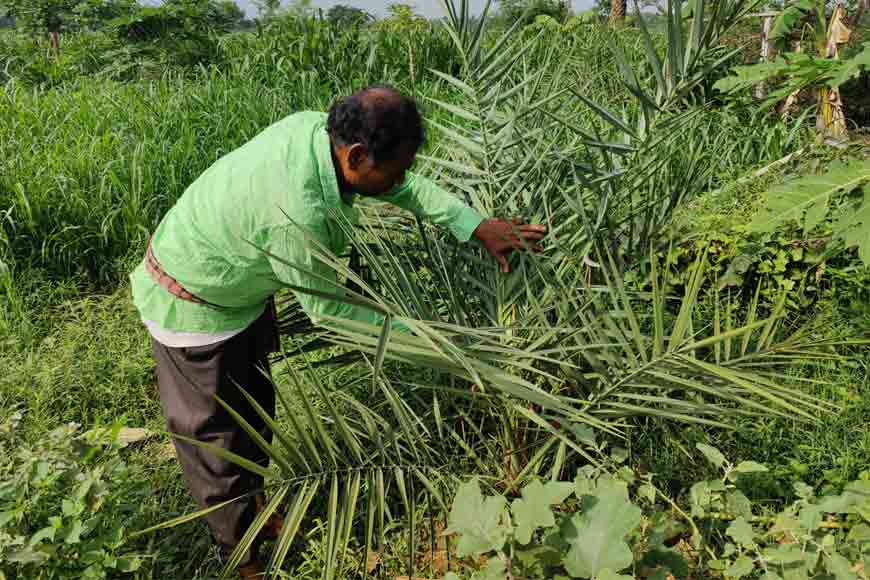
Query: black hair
379	117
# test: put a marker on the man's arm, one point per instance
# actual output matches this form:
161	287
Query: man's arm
425	199
290	244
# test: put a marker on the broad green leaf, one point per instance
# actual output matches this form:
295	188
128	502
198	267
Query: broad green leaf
741	531
478	520
532	510
805	200
668	560
496	569
852	67
647	492
74	533
840	567
596	535
786	23
784	554
738	503
745	77
741	567
854	228
46	533
27	556
704	496
712	454
129	563
538	558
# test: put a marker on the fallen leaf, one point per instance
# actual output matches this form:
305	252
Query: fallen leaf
134	434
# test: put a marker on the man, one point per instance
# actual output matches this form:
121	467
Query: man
204	287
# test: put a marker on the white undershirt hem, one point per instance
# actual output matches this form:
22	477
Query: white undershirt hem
178	339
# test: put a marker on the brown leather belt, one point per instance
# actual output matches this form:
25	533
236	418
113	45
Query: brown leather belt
167	282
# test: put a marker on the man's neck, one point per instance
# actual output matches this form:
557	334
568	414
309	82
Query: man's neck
344	187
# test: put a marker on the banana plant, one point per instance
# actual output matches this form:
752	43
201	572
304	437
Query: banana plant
822	70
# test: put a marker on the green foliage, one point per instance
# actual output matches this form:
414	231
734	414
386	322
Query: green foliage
342	15
41	16
65	502
267	9
53	16
794	72
402	19
585	543
788	22
479	520
528	11
596	536
597	532
187	19
808	199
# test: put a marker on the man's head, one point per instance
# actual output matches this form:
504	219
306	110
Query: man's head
375	135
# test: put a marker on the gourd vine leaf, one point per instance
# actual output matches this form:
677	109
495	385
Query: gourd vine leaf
532	510
840	567
712	454
741	531
596	535
741	567
496	569
479	520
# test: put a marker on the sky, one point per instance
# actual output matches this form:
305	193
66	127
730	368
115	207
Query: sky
428	8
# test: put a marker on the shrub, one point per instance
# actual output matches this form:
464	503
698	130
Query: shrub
65	504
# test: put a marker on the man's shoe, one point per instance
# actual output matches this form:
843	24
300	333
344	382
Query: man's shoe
274	524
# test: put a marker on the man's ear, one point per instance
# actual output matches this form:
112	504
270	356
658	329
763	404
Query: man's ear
356	155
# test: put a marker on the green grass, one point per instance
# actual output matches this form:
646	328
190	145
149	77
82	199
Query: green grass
90	365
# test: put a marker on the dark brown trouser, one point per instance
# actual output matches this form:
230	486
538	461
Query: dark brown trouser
189	379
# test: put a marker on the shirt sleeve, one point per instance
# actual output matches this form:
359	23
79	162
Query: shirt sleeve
426	200
289	244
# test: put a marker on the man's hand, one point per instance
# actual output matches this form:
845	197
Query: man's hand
500	236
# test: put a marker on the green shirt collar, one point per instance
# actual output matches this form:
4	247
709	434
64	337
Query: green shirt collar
328	179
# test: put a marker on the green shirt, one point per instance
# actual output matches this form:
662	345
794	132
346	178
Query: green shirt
205	240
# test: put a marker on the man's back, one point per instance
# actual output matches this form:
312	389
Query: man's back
207	240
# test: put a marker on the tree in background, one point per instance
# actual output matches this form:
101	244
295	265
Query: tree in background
42	17
267	9
618	8
342	15
52	17
226	14
529	10
402	17
178	20
300	7
91	14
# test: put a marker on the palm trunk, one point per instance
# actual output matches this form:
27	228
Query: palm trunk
617	12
